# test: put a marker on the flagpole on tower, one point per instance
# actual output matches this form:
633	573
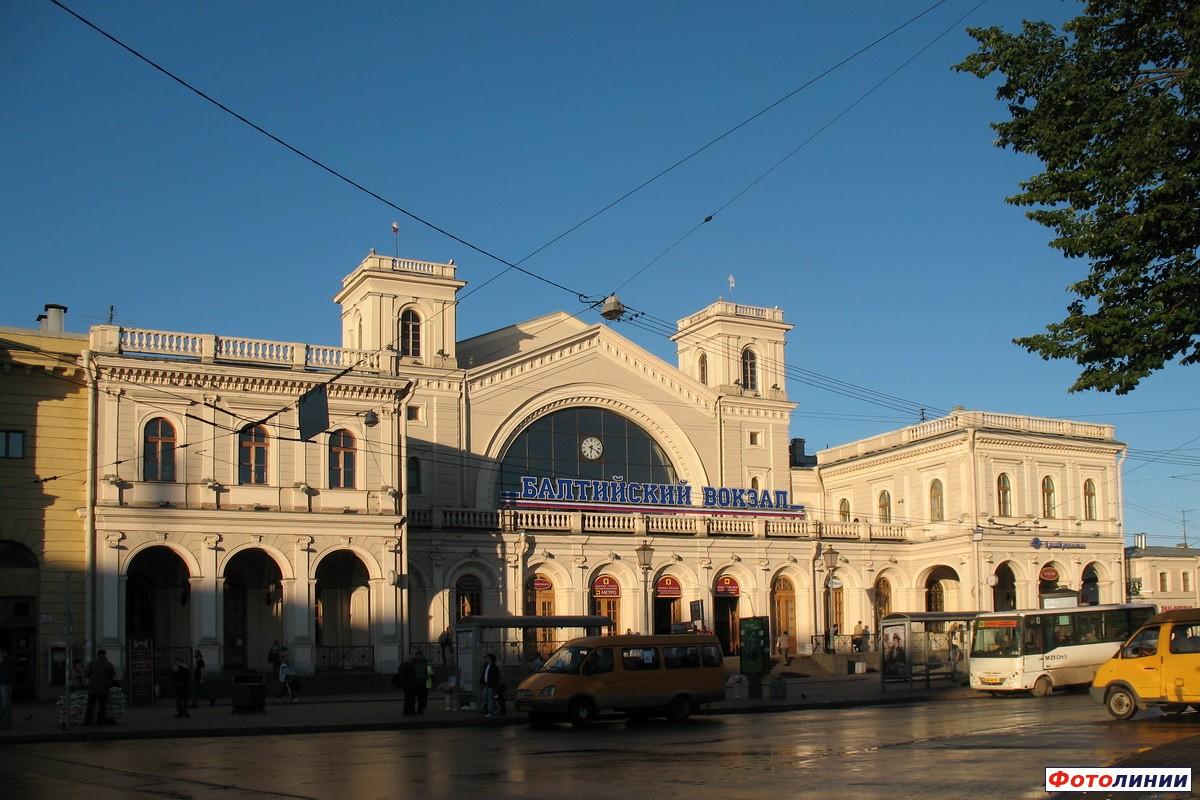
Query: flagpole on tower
732	283
396	237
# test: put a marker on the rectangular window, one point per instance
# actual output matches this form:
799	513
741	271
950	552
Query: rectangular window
1187	581
635	659
1164	584
413	413
599	662
755	438
12	444
711	655
1062	631
681	657
1185	638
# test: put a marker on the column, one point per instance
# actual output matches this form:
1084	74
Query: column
389	646
299	623
109	592
204	599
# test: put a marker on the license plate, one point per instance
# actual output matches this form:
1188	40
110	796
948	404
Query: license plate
991	681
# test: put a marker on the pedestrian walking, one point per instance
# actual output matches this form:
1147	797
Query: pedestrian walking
200	681
784	645
180	678
489	680
424	681
290	682
408	683
856	644
100	675
445	642
6	684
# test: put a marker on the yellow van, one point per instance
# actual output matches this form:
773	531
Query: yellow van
1158	666
640	675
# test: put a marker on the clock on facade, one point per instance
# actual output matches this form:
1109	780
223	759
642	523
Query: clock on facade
591	448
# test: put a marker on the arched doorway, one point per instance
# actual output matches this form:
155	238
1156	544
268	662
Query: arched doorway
468	597
941	590
882	603
1004	589
1089	587
158	607
539	602
343	613
19	578
606	600
727	594
668	594
783	611
253	609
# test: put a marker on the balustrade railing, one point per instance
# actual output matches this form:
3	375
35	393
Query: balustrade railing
346	657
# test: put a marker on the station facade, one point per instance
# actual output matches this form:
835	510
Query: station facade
548	467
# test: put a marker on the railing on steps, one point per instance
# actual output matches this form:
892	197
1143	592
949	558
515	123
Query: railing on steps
344	657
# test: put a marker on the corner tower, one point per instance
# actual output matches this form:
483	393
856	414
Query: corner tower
735	349
407	305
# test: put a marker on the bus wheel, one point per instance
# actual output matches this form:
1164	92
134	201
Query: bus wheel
680	708
1042	687
1120	703
581	712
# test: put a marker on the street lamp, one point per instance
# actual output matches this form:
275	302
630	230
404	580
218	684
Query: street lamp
645	554
830	557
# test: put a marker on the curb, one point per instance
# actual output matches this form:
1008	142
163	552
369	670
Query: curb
470	721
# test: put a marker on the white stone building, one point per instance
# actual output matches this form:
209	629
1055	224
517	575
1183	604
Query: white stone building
1165	576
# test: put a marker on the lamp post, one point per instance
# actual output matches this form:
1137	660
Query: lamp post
830	556
645	554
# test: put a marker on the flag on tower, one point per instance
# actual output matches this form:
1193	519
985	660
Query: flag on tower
732	282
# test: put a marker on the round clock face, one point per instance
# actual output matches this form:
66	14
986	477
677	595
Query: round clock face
591	448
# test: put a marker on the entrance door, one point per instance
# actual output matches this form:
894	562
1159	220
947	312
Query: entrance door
783	611
726	614
235	623
666	612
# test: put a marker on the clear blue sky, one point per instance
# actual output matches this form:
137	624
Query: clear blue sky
886	240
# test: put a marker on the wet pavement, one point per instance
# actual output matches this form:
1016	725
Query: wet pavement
977	748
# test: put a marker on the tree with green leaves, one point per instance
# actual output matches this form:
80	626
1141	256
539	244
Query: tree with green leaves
1110	105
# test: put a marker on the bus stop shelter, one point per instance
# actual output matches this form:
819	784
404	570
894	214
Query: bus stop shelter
475	637
925	645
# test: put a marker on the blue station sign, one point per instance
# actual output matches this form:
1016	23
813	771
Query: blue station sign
586	493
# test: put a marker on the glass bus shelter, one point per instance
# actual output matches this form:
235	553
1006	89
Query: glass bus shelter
925	645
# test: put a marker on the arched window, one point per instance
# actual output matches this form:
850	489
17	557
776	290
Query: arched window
359	340
754	484
885	507
252	455
702	368
1003	496
749	370
341	460
158	451
1048	506
414	475
1089	499
937	511
844	510
468	597
410	333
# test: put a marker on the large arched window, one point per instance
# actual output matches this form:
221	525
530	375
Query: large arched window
702	368
252	455
341	460
410	333
468	597
1048	505
1003	496
158	451
885	507
937	510
586	442
749	370
1089	499
844	510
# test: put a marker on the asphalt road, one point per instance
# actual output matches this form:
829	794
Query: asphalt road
978	748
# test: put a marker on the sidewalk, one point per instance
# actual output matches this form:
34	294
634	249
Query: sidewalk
38	722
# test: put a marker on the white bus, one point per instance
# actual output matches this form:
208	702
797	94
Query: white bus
1040	649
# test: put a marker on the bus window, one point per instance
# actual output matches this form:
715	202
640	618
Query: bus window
639	658
1061	631
1089	628
995	637
711	655
599	662
681	657
1185	638
1034	638
1144	644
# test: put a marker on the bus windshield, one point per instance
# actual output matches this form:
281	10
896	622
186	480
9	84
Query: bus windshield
996	638
566	659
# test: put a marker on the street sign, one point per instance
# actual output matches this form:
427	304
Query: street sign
834	583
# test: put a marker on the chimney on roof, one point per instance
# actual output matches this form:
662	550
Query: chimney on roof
51	321
1139	541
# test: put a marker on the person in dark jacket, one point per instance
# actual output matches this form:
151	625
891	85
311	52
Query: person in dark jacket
100	675
180	679
490	680
408	683
423	672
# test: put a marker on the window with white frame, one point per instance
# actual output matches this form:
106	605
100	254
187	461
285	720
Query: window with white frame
1049	508
1164	582
844	510
937	505
1089	499
1003	495
158	450
885	507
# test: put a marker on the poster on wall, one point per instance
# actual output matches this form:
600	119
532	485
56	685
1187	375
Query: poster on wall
895	655
465	638
141	672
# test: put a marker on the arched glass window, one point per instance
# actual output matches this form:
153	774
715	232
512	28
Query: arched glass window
937	510
468	597
414	475
1048	505
1003	496
252	455
1089	499
749	370
754	484
885	507
341	460
586	442
844	510
158	451
702	368
410	333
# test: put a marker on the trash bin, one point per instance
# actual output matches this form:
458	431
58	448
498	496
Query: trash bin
860	668
249	693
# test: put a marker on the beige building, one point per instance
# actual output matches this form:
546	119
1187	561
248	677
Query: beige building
1165	576
43	497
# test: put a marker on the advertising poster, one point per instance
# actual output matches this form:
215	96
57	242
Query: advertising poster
895	653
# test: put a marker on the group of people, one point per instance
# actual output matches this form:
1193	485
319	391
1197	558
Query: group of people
415	679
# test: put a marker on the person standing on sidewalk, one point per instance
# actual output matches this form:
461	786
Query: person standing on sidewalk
100	675
180	676
489	680
5	689
424	681
200	681
444	643
784	645
408	683
856	643
291	684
